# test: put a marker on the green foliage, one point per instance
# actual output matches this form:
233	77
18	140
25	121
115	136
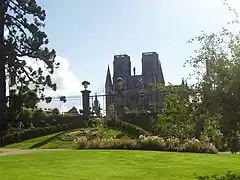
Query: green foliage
130	129
18	100
67	114
24	22
96	132
48	99
28	113
111	113
40	113
63	99
154	110
18	136
96	122
176	118
228	176
55	112
218	85
212	133
143	120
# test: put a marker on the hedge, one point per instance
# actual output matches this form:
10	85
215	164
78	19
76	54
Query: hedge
25	134
142	120
127	127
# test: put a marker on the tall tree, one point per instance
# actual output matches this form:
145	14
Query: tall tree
24	22
217	64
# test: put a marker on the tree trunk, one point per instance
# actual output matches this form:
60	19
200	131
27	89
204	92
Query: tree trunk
3	122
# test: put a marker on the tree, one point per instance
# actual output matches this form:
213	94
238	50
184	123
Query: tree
24	21
19	100
217	64
48	99
176	119
30	97
63	99
55	112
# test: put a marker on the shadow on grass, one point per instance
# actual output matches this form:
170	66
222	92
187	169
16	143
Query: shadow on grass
37	145
228	176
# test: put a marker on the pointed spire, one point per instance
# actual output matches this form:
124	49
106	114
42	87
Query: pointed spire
108	82
182	82
186	84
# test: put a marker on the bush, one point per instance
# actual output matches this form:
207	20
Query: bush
227	176
96	122
147	143
131	129
143	120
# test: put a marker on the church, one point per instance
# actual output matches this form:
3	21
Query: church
136	87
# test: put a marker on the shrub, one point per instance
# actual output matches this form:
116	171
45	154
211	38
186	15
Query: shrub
96	122
227	176
212	133
147	143
131	129
144	120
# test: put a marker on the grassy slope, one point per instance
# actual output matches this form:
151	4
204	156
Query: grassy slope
114	164
56	143
28	143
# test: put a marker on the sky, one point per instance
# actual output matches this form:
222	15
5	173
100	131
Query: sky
87	34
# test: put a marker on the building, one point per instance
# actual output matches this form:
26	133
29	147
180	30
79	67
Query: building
138	92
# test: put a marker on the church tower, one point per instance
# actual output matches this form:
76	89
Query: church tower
122	68
151	69
108	89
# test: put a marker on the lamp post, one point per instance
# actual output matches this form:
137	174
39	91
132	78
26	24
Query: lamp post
85	96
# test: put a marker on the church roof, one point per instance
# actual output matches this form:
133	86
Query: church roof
108	78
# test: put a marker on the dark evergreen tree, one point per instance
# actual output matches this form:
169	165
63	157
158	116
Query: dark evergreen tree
24	22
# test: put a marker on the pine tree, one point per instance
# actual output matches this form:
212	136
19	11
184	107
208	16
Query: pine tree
24	23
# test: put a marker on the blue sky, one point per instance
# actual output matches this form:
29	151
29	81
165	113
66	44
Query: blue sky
87	33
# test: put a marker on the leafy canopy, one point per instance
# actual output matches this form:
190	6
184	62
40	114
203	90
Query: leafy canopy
24	22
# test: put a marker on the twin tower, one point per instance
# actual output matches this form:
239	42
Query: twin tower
151	73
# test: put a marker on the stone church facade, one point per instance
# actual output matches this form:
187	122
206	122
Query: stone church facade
138	89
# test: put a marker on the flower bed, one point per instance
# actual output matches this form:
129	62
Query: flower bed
147	143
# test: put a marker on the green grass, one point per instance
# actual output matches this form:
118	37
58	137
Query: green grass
114	164
29	143
56	143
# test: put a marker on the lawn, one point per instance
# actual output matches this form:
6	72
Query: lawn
31	142
114	164
59	142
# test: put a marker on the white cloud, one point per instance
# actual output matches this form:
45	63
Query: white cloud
67	82
67	85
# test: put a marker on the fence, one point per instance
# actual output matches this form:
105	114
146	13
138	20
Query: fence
96	103
63	106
